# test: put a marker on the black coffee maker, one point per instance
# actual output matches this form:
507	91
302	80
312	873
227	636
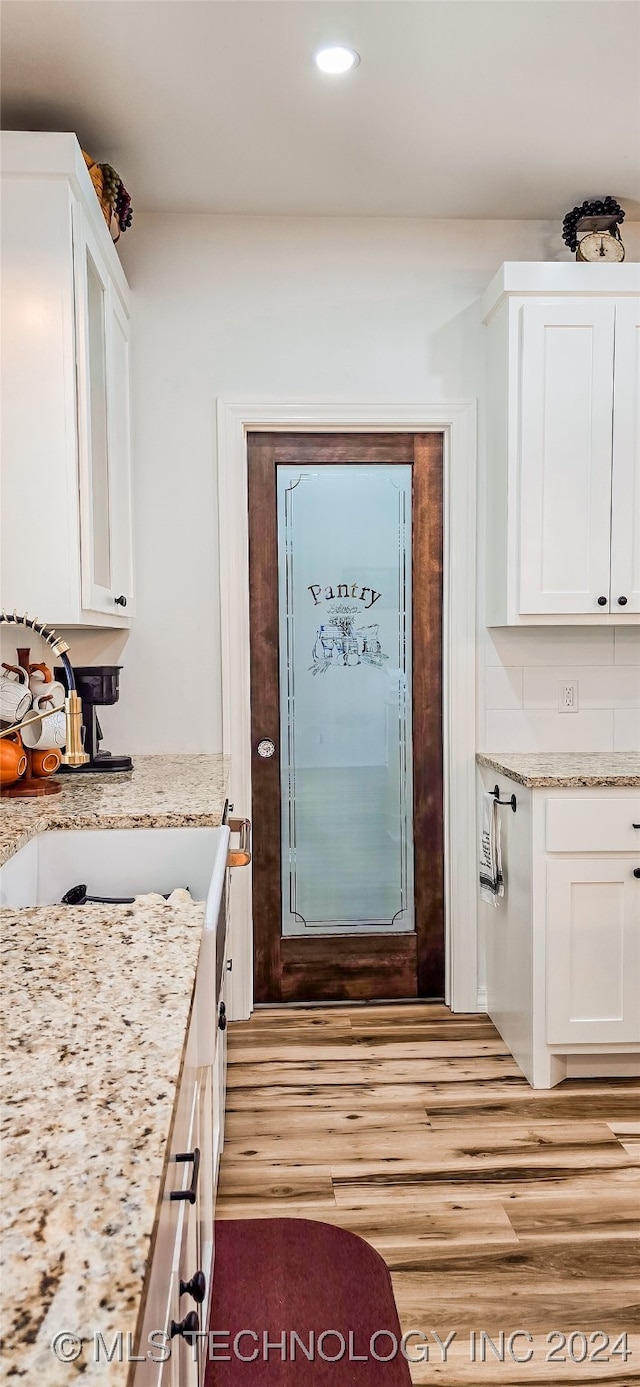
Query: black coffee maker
98	686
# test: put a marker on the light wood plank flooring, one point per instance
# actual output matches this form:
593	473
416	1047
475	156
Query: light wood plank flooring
495	1207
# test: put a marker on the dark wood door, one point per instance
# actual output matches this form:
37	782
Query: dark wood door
363	966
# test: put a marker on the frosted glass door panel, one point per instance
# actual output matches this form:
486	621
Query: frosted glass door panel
344	581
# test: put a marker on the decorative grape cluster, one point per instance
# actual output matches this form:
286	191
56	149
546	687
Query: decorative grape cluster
115	194
604	207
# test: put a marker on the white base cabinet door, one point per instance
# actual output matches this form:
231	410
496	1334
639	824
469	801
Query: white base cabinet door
593	950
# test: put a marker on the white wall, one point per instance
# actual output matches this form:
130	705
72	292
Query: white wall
296	309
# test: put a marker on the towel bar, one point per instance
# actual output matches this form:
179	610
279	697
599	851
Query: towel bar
512	800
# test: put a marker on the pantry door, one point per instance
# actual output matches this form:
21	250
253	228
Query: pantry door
345	563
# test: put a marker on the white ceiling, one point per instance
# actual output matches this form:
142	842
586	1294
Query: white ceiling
459	108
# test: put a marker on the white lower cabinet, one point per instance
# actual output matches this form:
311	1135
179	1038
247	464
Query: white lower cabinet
593	950
562	946
178	1281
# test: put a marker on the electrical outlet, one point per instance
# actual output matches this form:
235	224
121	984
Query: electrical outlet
568	697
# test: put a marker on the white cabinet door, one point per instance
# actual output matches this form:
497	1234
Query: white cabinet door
625	509
103	429
119	433
593	950
566	404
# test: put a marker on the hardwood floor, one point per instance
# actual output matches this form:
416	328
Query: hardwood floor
496	1207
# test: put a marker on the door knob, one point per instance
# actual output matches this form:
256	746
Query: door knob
196	1287
602	601
636	871
222	1017
120	601
622	601
265	748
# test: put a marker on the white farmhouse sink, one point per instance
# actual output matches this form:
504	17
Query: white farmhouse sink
117	862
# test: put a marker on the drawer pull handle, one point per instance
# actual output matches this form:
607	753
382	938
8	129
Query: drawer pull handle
189	1194
186	1327
240	856
196	1287
635	825
636	871
222	1017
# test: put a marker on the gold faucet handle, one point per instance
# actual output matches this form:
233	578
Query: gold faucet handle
74	753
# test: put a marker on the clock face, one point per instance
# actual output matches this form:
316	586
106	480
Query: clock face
601	246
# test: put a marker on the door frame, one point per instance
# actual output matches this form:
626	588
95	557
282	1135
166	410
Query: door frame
457	422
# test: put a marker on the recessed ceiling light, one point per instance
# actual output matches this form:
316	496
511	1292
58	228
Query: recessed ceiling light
336	60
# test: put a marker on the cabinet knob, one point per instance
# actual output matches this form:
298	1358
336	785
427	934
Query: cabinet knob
120	601
196	1287
222	1017
186	1327
622	601
636	871
602	601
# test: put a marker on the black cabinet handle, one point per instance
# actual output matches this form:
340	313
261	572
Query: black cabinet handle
602	601
196	1287
189	1194
120	601
622	601
186	1327
636	871
222	1017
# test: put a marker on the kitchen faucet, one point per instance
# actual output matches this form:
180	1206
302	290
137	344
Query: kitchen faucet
74	754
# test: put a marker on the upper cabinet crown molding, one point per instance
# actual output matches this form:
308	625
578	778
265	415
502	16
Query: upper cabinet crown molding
66	472
563	430
564	278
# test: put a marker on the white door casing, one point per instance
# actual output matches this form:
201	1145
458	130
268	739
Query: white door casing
457	421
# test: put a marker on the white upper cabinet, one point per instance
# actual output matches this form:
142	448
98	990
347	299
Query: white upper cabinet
66	460
625	507
563	430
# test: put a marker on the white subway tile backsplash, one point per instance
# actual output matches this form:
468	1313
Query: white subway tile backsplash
538	729
550	645
627	645
503	687
626	729
599	686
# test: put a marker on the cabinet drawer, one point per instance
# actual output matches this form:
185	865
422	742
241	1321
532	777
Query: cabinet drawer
593	824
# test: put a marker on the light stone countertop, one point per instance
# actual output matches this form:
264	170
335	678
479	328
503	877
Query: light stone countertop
160	792
545	769
96	1003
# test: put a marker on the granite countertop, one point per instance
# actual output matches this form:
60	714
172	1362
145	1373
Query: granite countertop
96	1003
556	769
160	792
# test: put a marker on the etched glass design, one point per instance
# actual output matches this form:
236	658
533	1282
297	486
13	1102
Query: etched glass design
344	579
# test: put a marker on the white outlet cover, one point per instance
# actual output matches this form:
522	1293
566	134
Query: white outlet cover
568	697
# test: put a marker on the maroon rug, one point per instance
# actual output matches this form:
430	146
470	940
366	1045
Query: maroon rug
299	1302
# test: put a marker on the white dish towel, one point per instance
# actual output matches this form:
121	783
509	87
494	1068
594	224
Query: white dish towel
491	879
